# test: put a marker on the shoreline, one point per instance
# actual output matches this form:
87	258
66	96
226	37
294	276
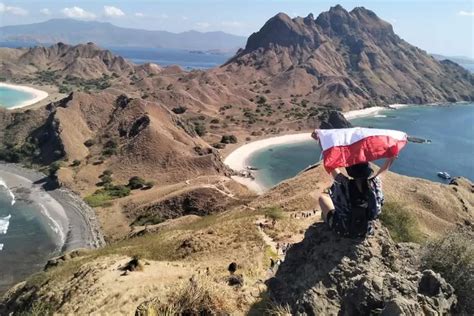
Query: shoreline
372	111
238	159
38	95
74	222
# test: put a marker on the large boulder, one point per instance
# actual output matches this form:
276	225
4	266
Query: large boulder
327	275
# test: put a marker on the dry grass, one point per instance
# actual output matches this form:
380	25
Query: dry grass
453	257
403	226
198	296
278	310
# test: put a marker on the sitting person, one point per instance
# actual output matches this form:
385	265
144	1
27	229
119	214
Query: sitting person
353	204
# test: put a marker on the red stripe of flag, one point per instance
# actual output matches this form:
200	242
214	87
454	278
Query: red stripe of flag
368	149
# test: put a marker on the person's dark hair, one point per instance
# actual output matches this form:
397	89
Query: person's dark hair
359	171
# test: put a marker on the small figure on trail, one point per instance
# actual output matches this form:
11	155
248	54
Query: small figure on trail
354	203
232	267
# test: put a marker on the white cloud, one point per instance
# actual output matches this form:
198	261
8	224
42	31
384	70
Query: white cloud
78	13
139	14
466	13
203	25
113	12
232	24
12	10
164	16
45	11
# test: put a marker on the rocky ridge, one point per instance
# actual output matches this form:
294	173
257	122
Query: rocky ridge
327	274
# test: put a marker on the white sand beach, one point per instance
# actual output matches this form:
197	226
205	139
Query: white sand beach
349	115
38	95
398	106
237	159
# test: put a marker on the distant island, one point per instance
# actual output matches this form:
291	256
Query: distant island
106	34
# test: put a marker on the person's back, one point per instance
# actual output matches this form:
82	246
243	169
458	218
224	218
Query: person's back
354	202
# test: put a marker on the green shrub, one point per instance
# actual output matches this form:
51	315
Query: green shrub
401	223
37	309
89	143
148	220
218	145
75	163
110	148
452	256
103	196
229	139
261	100
107	172
98	199
179	109
274	213
105	179
135	183
200	129
109	151
118	191
53	168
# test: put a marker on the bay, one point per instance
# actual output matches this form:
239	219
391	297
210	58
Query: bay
449	127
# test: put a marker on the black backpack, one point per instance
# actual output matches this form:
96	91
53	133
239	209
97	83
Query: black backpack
359	222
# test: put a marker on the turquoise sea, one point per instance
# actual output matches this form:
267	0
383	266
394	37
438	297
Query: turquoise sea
12	97
26	239
450	128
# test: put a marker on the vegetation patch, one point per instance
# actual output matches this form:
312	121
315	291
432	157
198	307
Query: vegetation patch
103	196
195	297
229	139
179	109
401	223
452	256
274	213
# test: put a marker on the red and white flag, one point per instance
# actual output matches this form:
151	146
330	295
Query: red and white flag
349	146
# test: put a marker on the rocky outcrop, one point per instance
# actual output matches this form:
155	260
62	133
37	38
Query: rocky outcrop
326	274
198	201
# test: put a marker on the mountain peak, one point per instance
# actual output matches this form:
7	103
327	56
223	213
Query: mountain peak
337	8
282	17
279	30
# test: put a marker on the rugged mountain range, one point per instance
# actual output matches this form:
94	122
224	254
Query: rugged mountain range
290	74
106	34
116	121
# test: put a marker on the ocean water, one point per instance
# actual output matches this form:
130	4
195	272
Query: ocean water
469	67
27	240
12	97
165	57
450	129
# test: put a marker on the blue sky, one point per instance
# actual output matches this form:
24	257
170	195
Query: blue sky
444	27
